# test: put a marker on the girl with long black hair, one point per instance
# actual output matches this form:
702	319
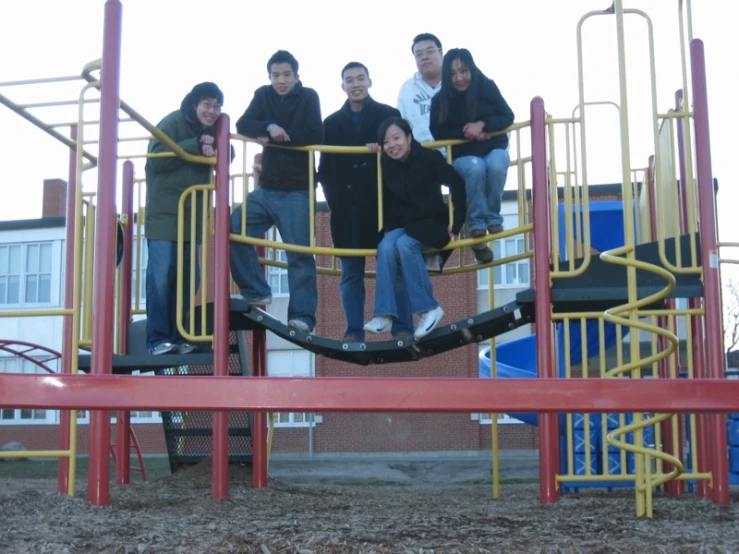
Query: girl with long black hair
470	106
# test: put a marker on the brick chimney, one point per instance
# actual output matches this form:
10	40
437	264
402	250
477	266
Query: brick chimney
55	198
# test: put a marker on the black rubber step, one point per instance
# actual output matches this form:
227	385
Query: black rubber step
603	285
448	337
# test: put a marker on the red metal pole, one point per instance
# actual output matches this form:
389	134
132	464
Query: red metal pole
259	430
548	423
67	350
221	302
696	322
259	363
710	262
702	421
125	274
98	488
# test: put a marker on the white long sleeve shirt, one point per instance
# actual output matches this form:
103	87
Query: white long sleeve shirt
414	103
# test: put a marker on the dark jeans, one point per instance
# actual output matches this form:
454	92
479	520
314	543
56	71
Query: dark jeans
288	211
161	291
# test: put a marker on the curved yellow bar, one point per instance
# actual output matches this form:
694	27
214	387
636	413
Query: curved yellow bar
644	479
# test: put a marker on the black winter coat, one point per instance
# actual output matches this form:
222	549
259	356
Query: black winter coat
299	113
350	180
413	198
491	108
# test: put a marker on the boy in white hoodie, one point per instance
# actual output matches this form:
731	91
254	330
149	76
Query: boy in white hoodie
414	98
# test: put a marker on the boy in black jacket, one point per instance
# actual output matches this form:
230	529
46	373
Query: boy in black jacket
288	114
350	186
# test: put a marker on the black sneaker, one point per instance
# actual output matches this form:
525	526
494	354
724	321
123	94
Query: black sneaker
483	255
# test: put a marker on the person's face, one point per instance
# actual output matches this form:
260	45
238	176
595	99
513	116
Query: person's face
397	145
356	84
283	78
428	58
207	111
461	75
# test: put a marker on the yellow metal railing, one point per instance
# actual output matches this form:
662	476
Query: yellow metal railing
520	162
197	331
191	195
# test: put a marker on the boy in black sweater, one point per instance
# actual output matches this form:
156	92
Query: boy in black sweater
282	113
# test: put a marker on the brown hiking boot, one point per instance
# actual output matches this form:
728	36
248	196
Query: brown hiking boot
493	229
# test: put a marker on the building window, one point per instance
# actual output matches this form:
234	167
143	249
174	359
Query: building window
514	274
486	419
83	416
24	416
291	363
139	270
10	274
25	273
277	276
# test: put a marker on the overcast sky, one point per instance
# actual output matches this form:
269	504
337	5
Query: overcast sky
528	47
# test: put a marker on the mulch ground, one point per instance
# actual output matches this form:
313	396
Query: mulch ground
175	514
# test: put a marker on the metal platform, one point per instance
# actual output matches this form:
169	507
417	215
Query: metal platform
604	285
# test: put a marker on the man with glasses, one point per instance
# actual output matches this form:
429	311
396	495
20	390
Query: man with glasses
283	113
414	99
193	128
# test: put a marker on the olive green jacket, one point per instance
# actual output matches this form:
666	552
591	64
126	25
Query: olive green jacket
167	178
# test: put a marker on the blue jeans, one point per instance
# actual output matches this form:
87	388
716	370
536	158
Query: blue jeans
484	180
353	296
161	291
288	211
402	277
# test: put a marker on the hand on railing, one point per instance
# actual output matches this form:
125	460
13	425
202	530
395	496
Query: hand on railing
474	131
278	134
207	145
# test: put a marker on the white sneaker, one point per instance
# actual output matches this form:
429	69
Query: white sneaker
379	324
163	348
263	301
300	325
428	322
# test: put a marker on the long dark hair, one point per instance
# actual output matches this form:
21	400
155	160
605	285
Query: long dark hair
448	91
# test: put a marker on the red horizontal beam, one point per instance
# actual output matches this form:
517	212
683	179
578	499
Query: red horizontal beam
324	394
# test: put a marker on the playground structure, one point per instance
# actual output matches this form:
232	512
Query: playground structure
630	289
